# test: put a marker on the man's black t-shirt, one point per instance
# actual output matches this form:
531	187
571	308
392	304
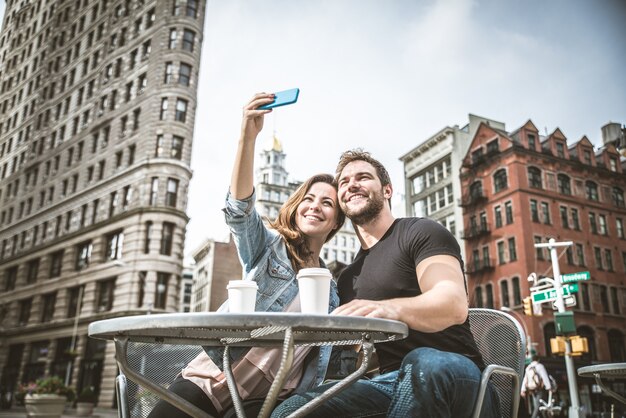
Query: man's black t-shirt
387	271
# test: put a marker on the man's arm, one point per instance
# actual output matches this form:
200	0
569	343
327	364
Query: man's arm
443	301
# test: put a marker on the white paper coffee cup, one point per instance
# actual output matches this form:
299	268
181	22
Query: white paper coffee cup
314	285
241	296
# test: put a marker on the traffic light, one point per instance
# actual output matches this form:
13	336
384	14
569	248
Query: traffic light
579	344
557	345
528	306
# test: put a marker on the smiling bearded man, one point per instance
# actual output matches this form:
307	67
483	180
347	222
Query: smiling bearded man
409	270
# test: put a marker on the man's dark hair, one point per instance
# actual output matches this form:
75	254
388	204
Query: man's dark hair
358	154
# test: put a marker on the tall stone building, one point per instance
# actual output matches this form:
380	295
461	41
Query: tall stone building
97	109
522	188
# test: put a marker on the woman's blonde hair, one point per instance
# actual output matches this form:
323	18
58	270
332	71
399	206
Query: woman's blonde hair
285	223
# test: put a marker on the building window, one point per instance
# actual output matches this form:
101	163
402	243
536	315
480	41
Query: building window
177	147
184	74
619	227
512	250
478	297
560	149
580	254
531	141
164	105
618	197
602	225
74	297
56	262
608	257
112	204
591	189
615	301
172	192
538	251
83	255
508	212
167	237
181	110
158	150
534	177
47	312
592	223
545	211
192	8
616	345
500	180
598	254
564	219
114	244
564	184
172	39
160	295
489	292
570	256
517	295
10	278
104	295
575	221
169	72
24	307
534	211
148	234
604	299
32	271
142	288
188	40
501	259
504	290
498	216
154	191
584	291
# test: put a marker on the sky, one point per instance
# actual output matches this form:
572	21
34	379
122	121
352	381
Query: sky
386	75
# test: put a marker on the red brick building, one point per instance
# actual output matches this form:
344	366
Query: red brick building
521	188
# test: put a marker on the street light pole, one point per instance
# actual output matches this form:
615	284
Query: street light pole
574	409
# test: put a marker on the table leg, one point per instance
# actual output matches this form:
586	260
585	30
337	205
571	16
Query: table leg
121	348
286	362
368	347
607	390
232	385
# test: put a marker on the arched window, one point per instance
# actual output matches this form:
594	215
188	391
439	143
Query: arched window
478	297
616	346
517	296
476	189
592	190
489	301
587	332
504	293
618	197
549	332
500	180
534	178
564	184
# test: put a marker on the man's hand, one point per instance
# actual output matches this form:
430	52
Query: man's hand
368	308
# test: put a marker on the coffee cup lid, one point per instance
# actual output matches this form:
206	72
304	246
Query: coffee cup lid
242	283
314	271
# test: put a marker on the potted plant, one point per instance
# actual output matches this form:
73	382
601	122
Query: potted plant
85	402
46	396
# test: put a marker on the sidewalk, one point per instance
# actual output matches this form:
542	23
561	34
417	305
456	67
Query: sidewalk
20	412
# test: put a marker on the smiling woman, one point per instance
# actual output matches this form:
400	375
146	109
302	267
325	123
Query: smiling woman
271	256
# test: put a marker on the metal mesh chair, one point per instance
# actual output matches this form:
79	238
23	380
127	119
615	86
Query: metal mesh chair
502	343
162	363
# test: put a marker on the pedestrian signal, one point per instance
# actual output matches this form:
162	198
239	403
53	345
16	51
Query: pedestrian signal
557	345
579	344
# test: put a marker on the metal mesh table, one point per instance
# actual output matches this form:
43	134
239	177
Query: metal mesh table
260	329
609	370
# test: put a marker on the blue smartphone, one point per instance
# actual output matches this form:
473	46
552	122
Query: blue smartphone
283	98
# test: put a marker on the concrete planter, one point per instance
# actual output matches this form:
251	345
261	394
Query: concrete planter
44	406
84	409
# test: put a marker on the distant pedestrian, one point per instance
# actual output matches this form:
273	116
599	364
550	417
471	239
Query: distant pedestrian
536	382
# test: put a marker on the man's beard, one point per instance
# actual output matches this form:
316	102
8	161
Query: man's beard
367	213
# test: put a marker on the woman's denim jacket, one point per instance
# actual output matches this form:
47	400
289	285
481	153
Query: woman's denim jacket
263	256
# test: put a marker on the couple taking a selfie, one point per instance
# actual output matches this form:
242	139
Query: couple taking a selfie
408	269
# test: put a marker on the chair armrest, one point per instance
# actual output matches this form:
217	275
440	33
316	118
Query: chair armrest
484	381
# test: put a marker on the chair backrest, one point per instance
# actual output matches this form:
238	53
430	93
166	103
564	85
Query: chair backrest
501	340
159	363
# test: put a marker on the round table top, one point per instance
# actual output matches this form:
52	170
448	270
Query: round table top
254	329
604	370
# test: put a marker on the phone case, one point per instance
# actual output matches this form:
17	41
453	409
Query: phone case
283	98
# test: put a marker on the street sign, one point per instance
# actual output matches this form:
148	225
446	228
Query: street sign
575	277
550	294
568	301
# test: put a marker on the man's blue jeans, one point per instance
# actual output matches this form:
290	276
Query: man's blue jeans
429	383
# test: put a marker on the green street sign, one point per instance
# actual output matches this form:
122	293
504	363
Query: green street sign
550	294
575	277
